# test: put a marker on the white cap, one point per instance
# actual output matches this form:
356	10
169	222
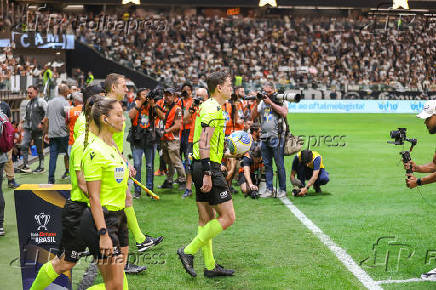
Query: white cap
429	110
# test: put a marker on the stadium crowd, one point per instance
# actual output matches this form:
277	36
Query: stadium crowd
333	53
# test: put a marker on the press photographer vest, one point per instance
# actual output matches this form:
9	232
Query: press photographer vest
169	122
142	118
315	154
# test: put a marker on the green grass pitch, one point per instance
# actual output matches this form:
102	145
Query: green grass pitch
365	201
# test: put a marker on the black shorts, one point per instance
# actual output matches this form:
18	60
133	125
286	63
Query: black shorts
220	191
72	244
116	225
188	165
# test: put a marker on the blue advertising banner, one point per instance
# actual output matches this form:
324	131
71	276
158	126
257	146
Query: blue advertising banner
356	106
39	213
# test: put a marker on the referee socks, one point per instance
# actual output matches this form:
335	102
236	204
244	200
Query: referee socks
45	277
210	230
132	224
209	260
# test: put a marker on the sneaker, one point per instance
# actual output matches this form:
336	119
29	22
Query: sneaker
39	170
166	184
182	186
149	243
218	271
281	193
26	169
317	188
187	193
137	195
133	269
266	193
159	173
2	231
65	175
429	276
187	261
13	184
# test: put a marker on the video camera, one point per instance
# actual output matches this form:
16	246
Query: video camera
400	136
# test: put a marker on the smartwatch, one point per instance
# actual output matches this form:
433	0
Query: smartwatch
102	232
419	181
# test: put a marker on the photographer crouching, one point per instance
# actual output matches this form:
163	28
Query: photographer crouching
272	115
429	115
142	136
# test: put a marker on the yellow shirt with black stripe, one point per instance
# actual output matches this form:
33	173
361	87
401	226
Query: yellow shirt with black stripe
103	162
315	155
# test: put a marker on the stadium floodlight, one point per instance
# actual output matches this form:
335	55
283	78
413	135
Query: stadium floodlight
400	3
137	2
273	3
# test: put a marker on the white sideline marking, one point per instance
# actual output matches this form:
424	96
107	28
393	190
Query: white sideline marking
402	281
340	253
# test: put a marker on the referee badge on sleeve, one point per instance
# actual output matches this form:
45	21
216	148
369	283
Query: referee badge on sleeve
119	174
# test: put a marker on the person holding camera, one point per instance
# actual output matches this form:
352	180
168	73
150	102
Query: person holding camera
191	115
251	164
170	141
429	115
308	165
185	102
272	115
142	137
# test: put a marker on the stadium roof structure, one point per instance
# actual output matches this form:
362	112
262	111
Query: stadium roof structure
310	4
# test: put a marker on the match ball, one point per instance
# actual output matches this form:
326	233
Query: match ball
239	142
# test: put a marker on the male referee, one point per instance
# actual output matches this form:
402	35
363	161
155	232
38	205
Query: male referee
212	192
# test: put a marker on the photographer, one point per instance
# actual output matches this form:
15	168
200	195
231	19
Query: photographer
201	95
308	165
231	109
142	137
251	164
273	138
185	102
170	141
429	115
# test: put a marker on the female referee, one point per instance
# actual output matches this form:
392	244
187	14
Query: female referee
72	244
104	224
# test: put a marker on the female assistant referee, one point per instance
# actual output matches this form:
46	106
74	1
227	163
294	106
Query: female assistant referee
104	224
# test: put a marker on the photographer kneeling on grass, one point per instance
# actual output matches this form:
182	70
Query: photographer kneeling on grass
429	115
308	165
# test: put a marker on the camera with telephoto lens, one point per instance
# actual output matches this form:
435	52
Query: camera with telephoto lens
197	101
254	194
184	94
250	98
279	98
296	191
156	94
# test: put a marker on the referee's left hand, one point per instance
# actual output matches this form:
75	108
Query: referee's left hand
207	183
132	170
